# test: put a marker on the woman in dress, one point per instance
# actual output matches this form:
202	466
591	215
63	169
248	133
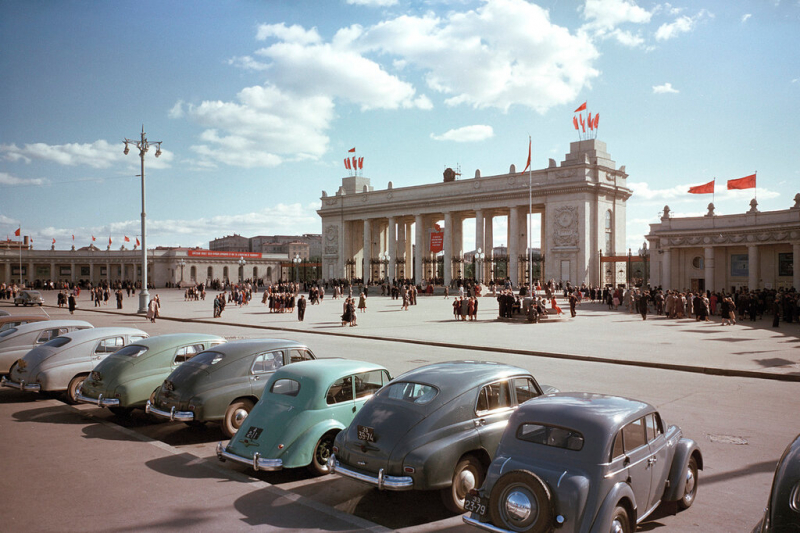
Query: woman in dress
362	303
555	307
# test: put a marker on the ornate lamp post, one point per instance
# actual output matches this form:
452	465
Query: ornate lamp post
479	258
143	145
242	263
181	264
385	258
297	259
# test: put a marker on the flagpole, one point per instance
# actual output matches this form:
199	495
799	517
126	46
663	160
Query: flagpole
755	188
713	189
530	222
20	256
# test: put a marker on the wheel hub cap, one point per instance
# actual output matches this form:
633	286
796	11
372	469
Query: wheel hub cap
689	484
466	482
239	416
519	506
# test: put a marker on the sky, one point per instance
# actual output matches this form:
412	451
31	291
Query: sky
257	103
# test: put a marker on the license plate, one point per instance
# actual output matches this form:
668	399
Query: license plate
475	504
366	434
253	433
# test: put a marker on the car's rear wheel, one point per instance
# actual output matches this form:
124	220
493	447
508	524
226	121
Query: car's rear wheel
235	416
73	388
620	522
468	475
322	452
690	480
521	501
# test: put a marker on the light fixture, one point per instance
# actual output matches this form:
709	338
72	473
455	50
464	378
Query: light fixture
125	151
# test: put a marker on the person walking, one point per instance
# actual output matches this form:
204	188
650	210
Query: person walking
119	298
151	310
573	302
301	308
362	303
71	303
643	300
776	312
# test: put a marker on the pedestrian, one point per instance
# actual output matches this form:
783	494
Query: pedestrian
573	301
151	310
362	303
643	299
119	298
72	303
776	312
301	308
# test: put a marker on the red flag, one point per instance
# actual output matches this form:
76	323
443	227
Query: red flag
529	156
589	122
347	163
360	162
353	149
54	241
127	239
73	237
575	122
137	241
581	108
355	162
109	241
708	188
583	124
18	231
93	239
747	182
596	120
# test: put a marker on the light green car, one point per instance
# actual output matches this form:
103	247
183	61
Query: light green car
126	379
302	409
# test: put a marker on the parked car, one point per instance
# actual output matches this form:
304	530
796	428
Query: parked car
127	378
3	312
435	427
302	409
17	341
29	298
11	321
64	362
584	462
782	513
224	383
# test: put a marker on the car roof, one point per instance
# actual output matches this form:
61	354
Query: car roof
598	416
248	346
85	335
51	324
177	339
15	318
460	376
325	370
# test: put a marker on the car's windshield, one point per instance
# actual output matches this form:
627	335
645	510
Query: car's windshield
58	342
209	357
416	393
132	350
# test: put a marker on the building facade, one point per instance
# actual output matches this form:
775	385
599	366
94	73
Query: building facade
752	250
581	201
308	245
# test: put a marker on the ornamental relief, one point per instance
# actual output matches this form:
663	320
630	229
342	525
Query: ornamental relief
565	226
762	237
332	239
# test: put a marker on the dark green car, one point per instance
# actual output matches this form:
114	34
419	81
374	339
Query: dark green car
127	378
224	383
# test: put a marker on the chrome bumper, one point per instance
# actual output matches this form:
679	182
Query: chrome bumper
172	414
99	401
267	465
484	525
383	482
28	387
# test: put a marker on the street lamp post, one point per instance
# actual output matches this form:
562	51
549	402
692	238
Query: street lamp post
242	263
386	258
479	257
181	264
296	262
143	145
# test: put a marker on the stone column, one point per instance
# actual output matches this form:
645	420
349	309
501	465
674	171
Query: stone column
31	272
366	268
91	271
708	261
392	273
795	270
666	271
72	271
522	239
488	240
752	266
448	248
53	275
7	279
479	240
418	251
345	252
513	246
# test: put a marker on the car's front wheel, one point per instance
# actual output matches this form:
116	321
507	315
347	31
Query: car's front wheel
74	387
468	475
521	501
235	416
690	485
322	452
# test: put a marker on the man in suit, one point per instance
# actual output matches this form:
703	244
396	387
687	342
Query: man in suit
301	308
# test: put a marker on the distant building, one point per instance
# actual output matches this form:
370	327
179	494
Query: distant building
307	246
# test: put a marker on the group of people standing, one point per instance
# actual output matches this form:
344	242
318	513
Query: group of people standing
465	308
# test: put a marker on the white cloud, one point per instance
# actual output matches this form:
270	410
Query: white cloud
8	179
292	34
504	53
177	110
605	15
99	154
745	17
373	3
474	133
664	89
682	24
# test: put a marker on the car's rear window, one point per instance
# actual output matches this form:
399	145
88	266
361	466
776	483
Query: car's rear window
285	387
559	437
58	342
132	350
7	332
209	357
406	391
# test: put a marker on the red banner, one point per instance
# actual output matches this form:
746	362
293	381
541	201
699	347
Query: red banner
747	182
437	241
708	188
233	255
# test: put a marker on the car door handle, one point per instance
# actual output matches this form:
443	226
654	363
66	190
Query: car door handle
255	378
480	422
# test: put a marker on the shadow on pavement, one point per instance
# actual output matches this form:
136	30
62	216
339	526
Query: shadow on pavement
185	466
265	508
58	414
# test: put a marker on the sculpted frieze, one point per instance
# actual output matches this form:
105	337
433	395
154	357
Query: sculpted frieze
565	227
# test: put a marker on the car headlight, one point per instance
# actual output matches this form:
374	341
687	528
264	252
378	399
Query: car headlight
794	498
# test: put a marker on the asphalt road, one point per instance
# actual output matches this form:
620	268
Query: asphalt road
81	468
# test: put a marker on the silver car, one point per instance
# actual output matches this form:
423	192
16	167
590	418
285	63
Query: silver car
63	363
17	341
29	298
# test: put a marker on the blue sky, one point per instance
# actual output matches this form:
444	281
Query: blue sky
257	103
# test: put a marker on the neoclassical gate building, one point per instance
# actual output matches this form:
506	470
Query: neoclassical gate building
369	233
